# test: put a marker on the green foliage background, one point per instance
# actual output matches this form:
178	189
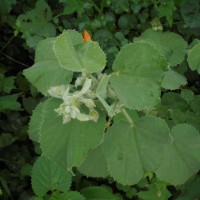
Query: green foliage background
113	24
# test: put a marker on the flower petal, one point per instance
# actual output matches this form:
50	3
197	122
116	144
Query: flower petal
86	86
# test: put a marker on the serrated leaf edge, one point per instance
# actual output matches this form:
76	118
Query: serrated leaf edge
171	141
189	52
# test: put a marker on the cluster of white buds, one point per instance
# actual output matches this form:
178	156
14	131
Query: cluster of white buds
70	108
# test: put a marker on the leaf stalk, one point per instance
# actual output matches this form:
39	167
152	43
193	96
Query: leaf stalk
129	119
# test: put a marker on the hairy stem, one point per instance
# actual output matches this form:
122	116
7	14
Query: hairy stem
128	117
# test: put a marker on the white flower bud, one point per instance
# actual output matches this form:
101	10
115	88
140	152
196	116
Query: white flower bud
57	91
74	112
88	102
67	109
94	115
83	117
79	81
86	86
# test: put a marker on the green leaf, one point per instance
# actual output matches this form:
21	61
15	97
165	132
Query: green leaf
173	80
187	95
193	58
190	13
35	122
6	6
169	44
36	22
124	21
36	198
191	190
88	57
101	94
120	116
172	100
178	116
98	193
6	140
181	158
193	119
46	72
132	151
32	41
9	102
166	9
44	50
65	51
119	6
95	164
26	170
138	72
75	37
195	103
71	195
29	103
68	144
8	84
48	176
156	191
73	6
130	192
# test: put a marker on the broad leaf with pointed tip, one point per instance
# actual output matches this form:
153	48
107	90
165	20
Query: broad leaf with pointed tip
169	44
48	176
139	68
132	151
36	24
9	102
68	144
46	72
80	57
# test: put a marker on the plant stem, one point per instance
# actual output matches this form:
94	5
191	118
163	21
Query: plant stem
95	6
10	58
7	43
102	6
58	15
128	117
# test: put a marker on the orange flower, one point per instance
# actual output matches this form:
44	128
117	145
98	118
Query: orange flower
86	36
